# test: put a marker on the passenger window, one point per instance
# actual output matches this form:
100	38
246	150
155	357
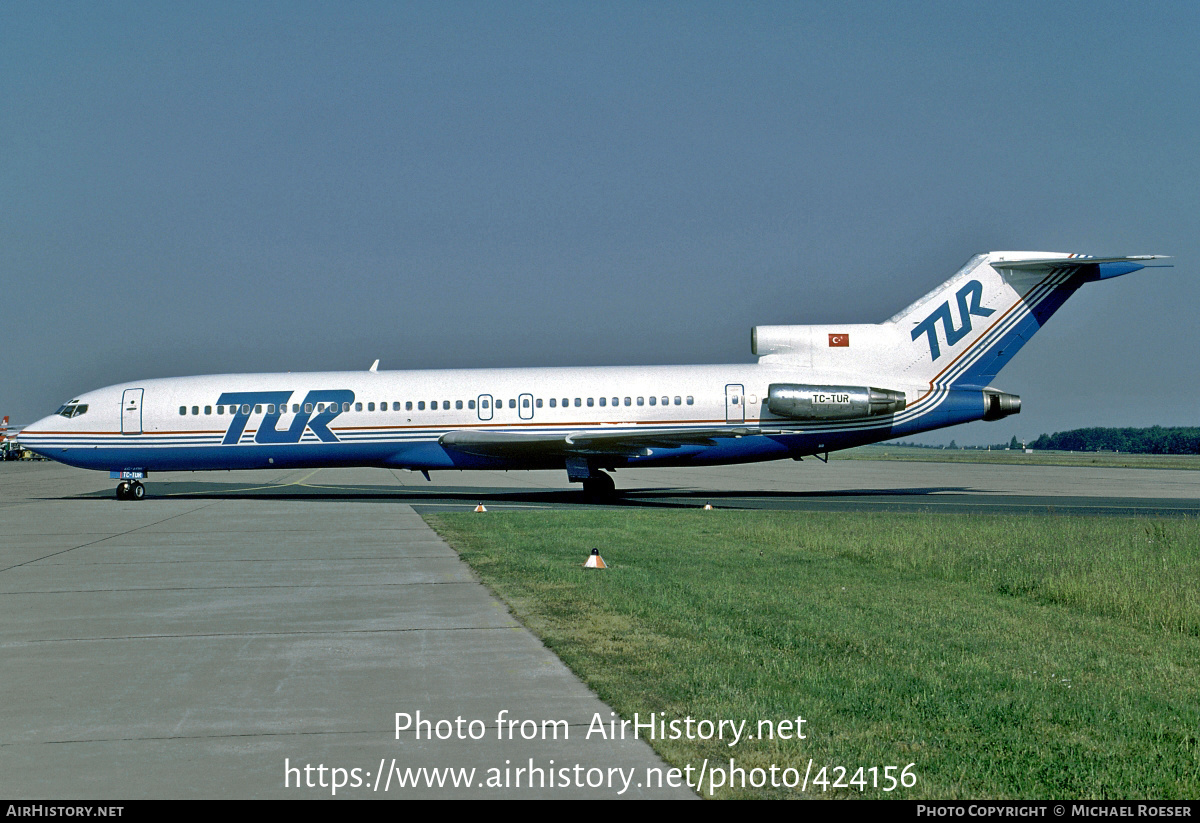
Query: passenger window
258	408
295	407
628	402
308	408
666	401
524	402
445	405
553	402
270	408
220	409
370	407
421	405
538	402
207	409
641	401
345	407
512	404
458	404
689	400
652	400
358	406
195	409
578	402
182	410
589	402
603	400
483	404
678	401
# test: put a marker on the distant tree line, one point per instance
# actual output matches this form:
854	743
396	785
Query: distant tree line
1012	445
1154	440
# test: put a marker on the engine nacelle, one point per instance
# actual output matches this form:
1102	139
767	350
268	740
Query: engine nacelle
801	402
1000	404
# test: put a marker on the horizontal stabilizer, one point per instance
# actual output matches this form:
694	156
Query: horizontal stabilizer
1078	260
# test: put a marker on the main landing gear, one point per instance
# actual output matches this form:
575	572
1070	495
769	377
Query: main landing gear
130	490
599	485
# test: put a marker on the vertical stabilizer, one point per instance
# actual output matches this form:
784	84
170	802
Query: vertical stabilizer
963	332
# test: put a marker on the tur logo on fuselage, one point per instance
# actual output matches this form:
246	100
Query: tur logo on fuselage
968	304
328	400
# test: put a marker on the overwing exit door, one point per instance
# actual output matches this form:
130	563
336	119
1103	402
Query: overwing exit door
735	403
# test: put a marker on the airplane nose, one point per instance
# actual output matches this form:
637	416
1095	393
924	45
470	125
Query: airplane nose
46	424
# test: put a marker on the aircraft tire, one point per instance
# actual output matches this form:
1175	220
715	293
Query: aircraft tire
137	491
599	485
123	490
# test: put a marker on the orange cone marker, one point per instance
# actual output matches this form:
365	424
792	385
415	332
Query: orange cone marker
480	508
595	561
708	507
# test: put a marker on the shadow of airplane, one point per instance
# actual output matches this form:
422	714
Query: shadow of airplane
664	497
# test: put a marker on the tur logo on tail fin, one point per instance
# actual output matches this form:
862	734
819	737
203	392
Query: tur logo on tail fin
968	304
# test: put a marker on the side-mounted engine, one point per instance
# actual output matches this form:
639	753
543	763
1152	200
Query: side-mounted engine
803	402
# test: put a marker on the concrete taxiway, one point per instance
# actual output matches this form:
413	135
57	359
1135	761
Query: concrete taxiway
247	648
840	485
232	629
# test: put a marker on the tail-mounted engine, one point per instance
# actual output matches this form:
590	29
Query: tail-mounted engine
801	402
999	404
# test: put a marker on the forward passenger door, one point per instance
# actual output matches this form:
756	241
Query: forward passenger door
131	411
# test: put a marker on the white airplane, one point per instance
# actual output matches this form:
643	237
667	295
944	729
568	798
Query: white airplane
814	389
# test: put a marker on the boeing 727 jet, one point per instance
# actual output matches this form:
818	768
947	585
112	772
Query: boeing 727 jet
813	390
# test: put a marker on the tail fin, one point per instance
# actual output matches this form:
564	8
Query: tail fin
958	335
966	330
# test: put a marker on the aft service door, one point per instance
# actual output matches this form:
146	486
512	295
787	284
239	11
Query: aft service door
131	411
525	406
735	404
485	406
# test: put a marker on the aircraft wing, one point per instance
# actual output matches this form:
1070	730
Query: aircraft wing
623	441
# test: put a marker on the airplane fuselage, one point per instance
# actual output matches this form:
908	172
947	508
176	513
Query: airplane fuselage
814	389
395	418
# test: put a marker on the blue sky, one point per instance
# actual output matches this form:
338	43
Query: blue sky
198	188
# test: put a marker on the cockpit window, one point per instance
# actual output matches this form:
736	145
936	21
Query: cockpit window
72	409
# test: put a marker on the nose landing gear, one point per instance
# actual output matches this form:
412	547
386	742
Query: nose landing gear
130	490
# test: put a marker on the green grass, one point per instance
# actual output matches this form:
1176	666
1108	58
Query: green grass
1111	460
1004	656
